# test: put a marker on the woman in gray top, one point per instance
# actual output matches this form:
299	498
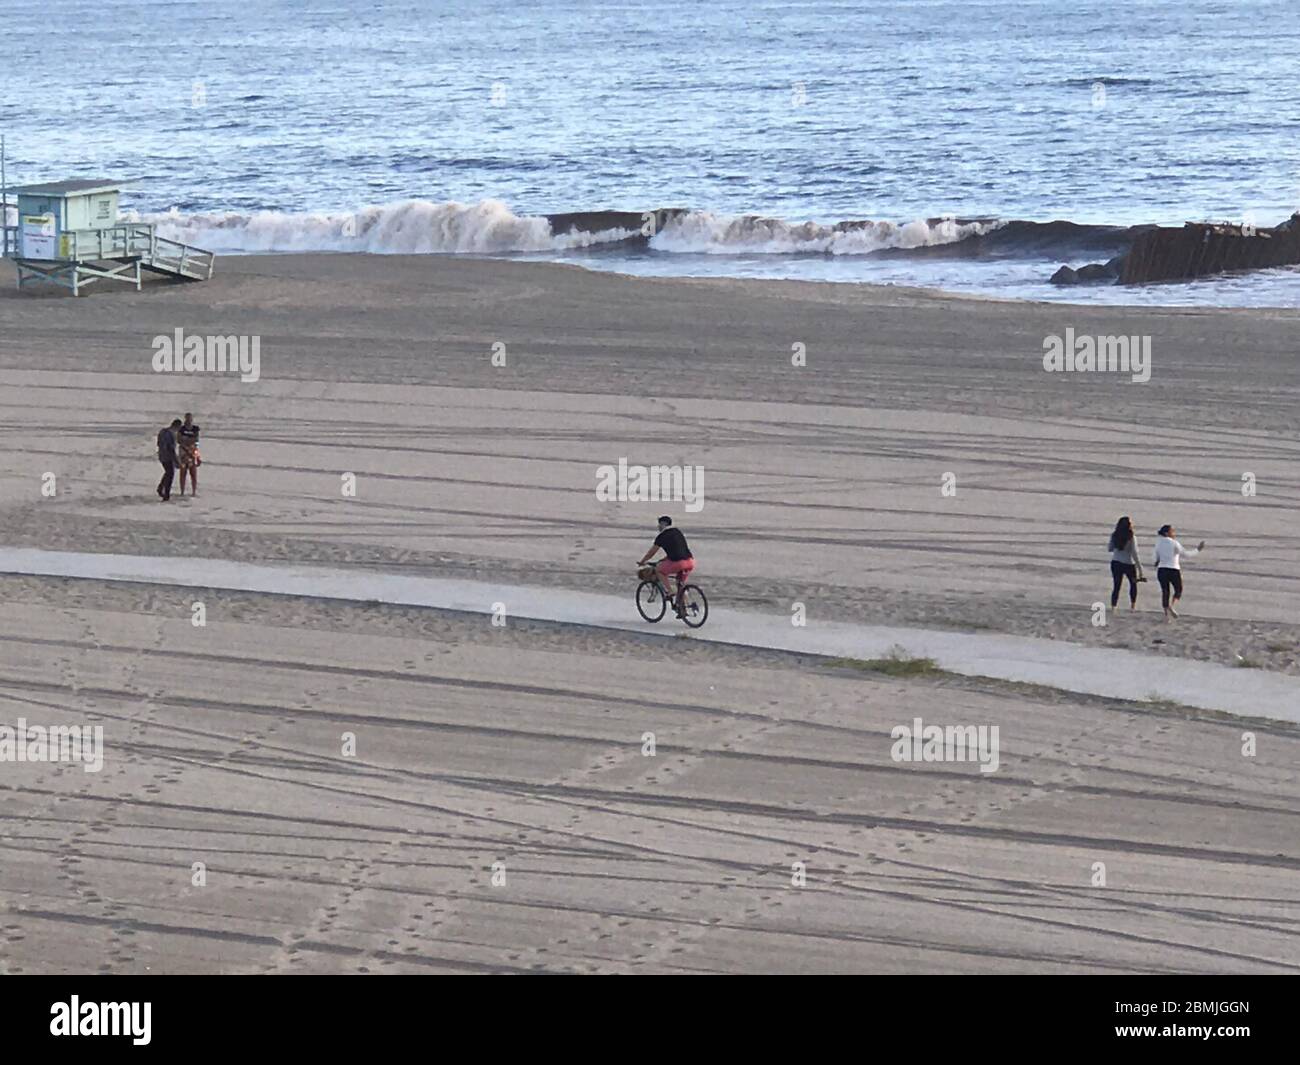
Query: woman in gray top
1124	562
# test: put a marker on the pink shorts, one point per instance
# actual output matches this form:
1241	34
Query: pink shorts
681	570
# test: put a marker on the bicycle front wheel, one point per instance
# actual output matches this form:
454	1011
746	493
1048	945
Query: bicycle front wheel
650	601
695	606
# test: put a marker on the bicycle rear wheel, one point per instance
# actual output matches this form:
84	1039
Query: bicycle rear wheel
650	601
695	606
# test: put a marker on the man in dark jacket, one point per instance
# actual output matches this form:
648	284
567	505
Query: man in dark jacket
167	456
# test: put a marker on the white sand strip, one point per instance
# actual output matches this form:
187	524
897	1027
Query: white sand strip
1095	671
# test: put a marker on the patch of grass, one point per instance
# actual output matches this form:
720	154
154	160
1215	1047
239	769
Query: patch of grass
898	663
1281	648
1246	663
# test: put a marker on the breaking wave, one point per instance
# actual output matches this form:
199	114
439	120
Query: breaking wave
490	227
703	232
408	227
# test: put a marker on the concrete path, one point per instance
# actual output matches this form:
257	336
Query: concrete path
1096	671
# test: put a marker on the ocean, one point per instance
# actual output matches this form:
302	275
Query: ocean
459	128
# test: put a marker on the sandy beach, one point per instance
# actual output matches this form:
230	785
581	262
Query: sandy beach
920	469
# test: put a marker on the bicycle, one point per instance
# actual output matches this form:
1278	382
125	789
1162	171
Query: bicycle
691	605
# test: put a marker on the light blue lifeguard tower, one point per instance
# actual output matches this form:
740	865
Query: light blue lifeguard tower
69	234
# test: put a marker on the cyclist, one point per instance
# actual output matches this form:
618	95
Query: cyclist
679	563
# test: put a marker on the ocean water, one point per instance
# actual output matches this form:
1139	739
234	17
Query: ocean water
447	127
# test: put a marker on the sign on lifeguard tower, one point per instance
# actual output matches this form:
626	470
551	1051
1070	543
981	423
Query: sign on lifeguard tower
69	234
36	236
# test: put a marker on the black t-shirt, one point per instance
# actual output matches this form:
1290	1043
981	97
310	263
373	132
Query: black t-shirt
166	446
189	434
674	544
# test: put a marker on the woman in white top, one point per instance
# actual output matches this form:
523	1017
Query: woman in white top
1169	556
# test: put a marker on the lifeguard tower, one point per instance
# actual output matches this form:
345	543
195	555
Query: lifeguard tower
69	234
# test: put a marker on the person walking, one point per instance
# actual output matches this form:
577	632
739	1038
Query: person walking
1124	562
167	456
1169	569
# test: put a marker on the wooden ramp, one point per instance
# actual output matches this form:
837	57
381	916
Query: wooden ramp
114	253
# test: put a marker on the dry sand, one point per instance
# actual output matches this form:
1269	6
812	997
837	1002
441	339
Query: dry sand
523	745
823	483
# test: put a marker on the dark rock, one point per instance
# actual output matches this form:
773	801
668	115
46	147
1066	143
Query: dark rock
1096	272
1086	275
1200	249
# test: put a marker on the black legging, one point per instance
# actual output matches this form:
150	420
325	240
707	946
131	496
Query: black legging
1118	571
165	485
1169	578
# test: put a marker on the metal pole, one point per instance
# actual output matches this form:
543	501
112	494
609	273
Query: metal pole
4	203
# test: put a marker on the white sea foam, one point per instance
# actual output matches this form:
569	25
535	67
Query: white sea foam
407	227
489	227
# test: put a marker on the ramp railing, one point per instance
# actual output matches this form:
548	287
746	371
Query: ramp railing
125	241
183	259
